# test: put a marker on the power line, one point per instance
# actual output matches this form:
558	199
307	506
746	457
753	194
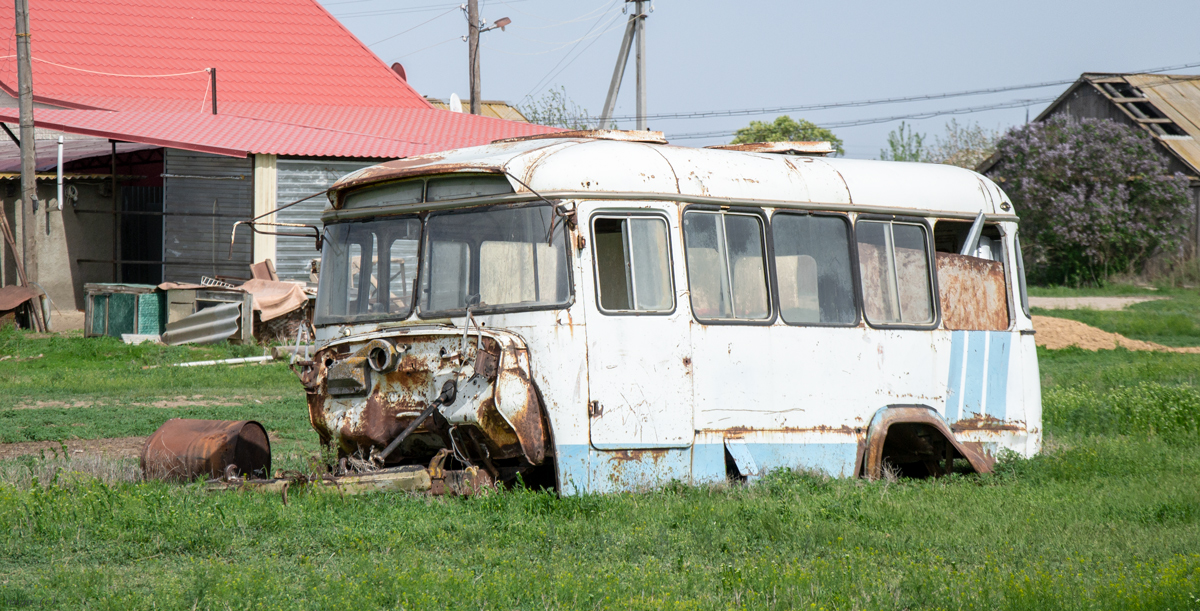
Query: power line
704	114
873	121
551	73
402	11
452	9
436	44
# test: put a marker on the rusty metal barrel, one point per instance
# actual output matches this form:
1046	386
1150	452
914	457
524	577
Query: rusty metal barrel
183	449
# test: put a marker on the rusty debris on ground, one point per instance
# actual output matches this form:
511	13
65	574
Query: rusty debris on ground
1058	333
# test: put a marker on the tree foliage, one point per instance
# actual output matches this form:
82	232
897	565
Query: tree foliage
1095	198
965	146
556	109
904	145
786	129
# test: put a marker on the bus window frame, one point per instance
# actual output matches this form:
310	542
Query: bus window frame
619	213
769	264
855	280
930	256
422	314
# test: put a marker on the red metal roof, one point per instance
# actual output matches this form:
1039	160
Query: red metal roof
265	51
239	136
319	90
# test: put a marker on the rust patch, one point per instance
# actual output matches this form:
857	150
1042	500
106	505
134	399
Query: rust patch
973	293
737	432
916	435
985	423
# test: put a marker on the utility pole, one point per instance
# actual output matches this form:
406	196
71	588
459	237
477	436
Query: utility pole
473	50
474	29
29	204
635	31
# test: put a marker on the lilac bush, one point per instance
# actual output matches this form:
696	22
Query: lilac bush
1094	196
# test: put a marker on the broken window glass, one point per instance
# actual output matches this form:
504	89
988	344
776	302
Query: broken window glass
812	263
366	269
727	277
633	264
893	260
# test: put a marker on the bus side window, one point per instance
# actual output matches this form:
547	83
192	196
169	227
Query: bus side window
727	277
812	262
893	260
633	264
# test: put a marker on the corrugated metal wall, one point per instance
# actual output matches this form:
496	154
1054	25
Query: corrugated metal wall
218	191
297	179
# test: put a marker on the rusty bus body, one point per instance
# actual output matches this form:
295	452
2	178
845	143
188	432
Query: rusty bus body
614	315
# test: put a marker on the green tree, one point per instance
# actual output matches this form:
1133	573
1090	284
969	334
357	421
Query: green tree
965	146
555	109
904	145
785	129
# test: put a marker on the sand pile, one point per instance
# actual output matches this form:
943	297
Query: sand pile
1056	333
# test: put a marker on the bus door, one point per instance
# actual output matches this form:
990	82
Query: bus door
639	349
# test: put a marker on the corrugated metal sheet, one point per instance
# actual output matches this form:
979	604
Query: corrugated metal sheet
272	52
339	132
490	108
296	179
221	187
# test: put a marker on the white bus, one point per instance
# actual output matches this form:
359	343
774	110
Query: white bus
601	311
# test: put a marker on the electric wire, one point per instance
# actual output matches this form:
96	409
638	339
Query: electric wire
704	114
563	45
46	61
549	77
436	44
876	120
555	24
439	16
402	11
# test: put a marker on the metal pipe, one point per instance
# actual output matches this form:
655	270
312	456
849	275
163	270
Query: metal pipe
972	242
449	392
60	173
249	359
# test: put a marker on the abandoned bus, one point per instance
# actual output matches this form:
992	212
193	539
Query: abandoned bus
601	311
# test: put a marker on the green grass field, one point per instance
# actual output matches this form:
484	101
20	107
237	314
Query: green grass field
1173	321
1108	517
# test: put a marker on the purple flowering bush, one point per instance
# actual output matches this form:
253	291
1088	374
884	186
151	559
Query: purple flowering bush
1094	198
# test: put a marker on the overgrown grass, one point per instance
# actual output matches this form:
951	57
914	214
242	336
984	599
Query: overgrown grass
1103	524
1107	518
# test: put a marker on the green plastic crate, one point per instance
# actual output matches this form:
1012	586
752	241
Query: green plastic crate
116	309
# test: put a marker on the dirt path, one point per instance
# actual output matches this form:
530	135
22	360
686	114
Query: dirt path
113	447
1057	333
1092	303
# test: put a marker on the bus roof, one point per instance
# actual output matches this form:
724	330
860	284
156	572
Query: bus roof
578	168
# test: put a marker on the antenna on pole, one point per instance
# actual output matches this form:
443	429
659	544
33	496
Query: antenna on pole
635	31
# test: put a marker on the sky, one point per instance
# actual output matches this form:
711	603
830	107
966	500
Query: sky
767	55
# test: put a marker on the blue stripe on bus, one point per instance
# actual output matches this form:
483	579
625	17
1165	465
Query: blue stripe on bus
997	377
958	340
976	370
